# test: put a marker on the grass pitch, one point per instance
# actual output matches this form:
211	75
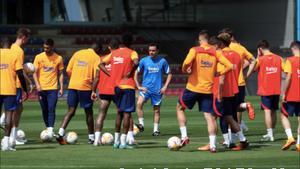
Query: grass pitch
151	152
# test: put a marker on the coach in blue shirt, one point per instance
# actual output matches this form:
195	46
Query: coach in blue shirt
153	68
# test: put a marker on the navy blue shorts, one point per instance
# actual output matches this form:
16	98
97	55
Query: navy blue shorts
269	102
227	107
125	100
291	109
241	95
188	99
108	97
9	101
19	96
80	96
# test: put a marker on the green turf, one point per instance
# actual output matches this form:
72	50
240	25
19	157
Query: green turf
152	151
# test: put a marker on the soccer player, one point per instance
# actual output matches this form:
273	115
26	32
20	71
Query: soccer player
247	58
291	96
153	68
226	90
16	47
269	66
10	66
200	64
48	69
106	92
124	62
81	70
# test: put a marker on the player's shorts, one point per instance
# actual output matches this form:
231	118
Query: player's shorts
108	97
269	102
225	108
156	98
125	100
9	101
241	95
291	109
189	98
80	96
19	96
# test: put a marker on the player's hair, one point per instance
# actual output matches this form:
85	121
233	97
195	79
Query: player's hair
154	44
49	42
23	32
204	33
126	39
264	44
295	44
5	43
214	41
114	43
225	38
227	30
97	46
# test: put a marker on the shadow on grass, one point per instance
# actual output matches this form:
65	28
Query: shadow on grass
36	148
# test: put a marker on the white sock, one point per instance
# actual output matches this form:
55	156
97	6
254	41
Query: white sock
298	139
155	127
241	136
233	138
141	121
183	132
130	134
123	139
270	132
229	134
13	133
243	105
5	141
92	137
117	138
130	138
97	136
226	138
212	141
50	129
288	133
2	119
61	131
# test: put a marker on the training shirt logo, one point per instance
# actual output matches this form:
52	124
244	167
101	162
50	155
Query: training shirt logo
153	69
118	60
81	63
48	69
271	70
206	63
3	66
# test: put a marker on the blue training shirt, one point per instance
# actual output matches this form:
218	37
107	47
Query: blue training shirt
153	70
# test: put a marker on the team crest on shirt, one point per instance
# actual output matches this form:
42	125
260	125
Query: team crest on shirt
271	70
206	63
81	63
118	60
3	66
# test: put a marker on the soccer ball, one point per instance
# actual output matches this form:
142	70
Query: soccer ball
20	135
107	138
71	137
46	136
174	143
136	130
29	68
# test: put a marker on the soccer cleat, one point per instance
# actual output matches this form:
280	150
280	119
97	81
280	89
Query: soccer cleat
20	142
213	150
96	143
184	142
232	145
61	140
123	146
288	144
298	147
251	113
204	148
90	141
116	145
140	127
267	138
243	145
156	133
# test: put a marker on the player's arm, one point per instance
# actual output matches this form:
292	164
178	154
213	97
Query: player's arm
104	62
28	81
227	64
169	77
252	68
95	84
220	89
20	74
187	63
135	60
61	82
35	77
287	81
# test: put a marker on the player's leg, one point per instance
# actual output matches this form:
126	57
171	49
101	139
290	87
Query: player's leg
139	110
42	97
103	107
156	119
266	106
2	120
52	101
17	116
118	123
288	109
298	131
130	136
126	124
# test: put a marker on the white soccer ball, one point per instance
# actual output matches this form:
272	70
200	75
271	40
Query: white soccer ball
71	137
136	130
174	143
107	138
46	136
20	135
29	68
